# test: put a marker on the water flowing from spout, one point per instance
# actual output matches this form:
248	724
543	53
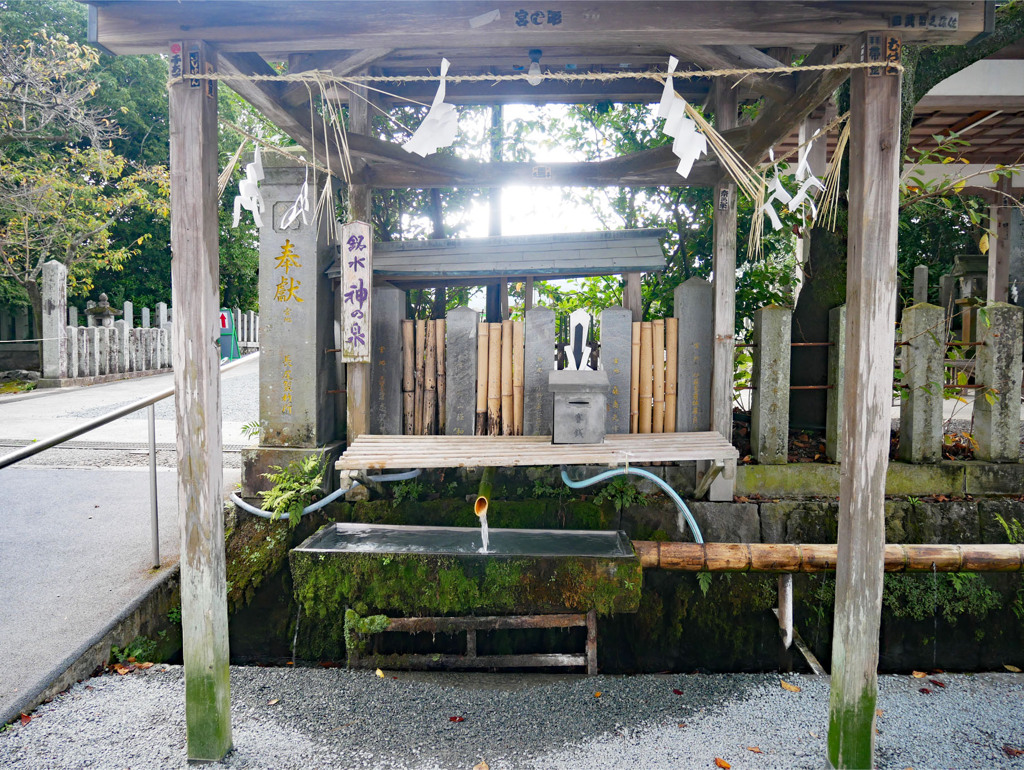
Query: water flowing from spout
484	535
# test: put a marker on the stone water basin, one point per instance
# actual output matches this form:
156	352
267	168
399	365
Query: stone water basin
431	571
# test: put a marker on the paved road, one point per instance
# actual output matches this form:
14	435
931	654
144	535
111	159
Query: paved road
75	545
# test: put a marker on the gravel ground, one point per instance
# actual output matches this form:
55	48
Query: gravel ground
309	718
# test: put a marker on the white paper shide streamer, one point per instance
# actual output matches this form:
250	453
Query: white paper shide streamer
440	126
249	196
689	142
300	207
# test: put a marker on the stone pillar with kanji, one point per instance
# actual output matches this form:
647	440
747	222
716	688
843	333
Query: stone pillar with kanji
297	373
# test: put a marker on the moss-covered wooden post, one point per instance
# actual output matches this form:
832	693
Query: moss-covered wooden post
870	335
195	281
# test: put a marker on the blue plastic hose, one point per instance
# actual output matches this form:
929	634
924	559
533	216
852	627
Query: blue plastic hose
627	471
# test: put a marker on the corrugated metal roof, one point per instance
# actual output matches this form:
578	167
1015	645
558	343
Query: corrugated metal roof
464	260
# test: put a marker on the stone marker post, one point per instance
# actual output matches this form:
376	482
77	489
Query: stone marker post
539	357
129	314
122	344
102	350
92	364
616	351
920	284
161	314
769	411
54	330
145	318
460	371
90	319
836	382
71	361
924	349
693	301
72	315
388	305
998	369
82	346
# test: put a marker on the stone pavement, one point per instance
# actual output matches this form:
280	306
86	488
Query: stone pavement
75	545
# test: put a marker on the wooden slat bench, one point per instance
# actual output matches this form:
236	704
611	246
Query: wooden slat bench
378	452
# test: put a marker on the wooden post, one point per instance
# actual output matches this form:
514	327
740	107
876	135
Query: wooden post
419	354
482	359
632	299
408	378
195	282
528	294
870	335
724	266
360	208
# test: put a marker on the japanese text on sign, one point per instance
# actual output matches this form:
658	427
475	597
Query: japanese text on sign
526	18
356	285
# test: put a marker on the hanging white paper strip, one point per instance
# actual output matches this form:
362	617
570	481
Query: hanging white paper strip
440	126
300	207
689	142
249	196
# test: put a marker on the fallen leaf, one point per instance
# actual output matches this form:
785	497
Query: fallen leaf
682	724
145	665
597	695
937	683
456	719
879	712
1014	669
25	719
289	662
677	692
787	686
482	766
813	735
918	674
273	702
131	659
925	691
754	749
938	671
1008	750
121	668
380	673
719	762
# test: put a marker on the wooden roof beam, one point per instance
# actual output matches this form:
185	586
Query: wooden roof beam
778	87
338	63
265	96
780	119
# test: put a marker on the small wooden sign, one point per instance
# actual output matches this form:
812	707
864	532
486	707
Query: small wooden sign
356	291
887	50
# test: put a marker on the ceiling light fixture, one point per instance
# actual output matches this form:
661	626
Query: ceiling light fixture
534	77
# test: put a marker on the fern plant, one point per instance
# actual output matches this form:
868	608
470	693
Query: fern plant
295	487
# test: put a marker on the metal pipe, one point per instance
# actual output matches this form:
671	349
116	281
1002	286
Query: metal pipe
627	471
59	438
154	515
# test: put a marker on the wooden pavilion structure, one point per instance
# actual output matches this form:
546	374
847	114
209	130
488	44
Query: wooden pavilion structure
239	39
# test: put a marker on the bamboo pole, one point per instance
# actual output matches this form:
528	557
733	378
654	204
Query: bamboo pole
494	380
439	328
507	396
658	362
634	380
430	381
481	378
671	372
518	365
421	333
408	379
646	378
787	557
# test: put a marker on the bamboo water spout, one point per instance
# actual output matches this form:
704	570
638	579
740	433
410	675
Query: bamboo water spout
483	500
787	557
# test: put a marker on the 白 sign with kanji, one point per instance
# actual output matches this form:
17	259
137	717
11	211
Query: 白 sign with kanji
356	288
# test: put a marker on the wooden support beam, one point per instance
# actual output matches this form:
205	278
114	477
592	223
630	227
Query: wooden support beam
724	267
778	87
632	299
337	63
870	334
780	119
195	285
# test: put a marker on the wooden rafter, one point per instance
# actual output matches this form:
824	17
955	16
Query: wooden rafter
337	63
779	87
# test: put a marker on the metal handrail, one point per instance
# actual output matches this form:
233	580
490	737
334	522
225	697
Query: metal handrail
149	401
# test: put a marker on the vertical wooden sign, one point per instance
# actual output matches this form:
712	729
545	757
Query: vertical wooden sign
356	291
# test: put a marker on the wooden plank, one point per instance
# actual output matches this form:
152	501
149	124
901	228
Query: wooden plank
646	378
195	271
632	299
658	362
494	380
439	329
724	267
421	367
435	661
671	371
634	379
430	381
507	394
778	87
294	94
136	27
408	378
870	313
